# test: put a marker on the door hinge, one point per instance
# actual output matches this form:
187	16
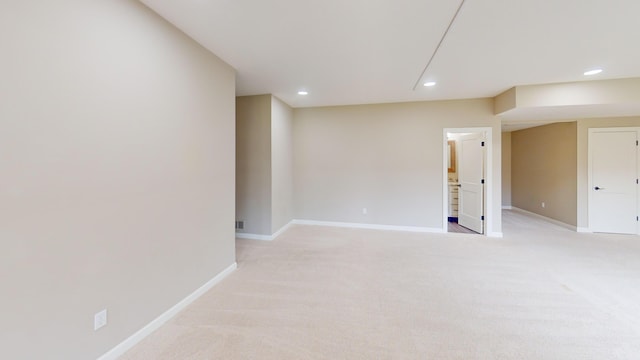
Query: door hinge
482	181
636	181
482	217
636	142
636	218
482	143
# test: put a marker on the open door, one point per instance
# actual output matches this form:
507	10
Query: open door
471	180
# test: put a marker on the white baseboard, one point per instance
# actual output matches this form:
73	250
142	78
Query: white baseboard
132	340
369	226
554	221
254	236
495	234
264	237
583	230
282	229
507	207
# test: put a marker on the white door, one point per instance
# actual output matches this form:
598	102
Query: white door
471	179
613	174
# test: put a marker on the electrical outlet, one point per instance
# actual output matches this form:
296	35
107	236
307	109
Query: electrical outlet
364	211
100	319
543	204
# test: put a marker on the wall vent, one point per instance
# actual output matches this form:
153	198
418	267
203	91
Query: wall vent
239	225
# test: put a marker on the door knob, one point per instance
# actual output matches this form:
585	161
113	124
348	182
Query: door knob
598	188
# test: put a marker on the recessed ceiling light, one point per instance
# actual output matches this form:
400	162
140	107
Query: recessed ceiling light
302	92
593	72
430	83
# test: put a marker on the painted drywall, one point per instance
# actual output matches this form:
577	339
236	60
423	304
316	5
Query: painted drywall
117	168
612	91
264	164
281	164
505	101
506	169
253	163
583	156
561	101
543	169
387	158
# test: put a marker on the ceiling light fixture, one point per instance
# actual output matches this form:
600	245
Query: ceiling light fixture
302	92
593	72
430	83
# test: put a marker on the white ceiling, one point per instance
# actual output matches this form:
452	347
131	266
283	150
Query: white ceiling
373	51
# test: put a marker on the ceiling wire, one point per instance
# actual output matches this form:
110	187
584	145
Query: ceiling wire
453	19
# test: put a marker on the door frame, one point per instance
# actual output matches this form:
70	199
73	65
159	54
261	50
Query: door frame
590	168
489	181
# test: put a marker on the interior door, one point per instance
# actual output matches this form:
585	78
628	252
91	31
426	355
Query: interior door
471	179
613	174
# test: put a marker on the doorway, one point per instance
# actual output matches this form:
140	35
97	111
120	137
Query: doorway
466	180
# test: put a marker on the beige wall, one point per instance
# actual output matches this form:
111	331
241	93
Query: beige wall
387	158
581	99
264	164
543	169
583	148
253	163
613	91
506	169
117	173
281	164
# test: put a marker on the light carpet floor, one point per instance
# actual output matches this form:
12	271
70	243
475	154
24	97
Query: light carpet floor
541	292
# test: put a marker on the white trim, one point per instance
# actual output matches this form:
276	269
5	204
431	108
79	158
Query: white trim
264	237
445	181
557	222
132	340
282	229
254	236
584	230
495	234
507	207
369	226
